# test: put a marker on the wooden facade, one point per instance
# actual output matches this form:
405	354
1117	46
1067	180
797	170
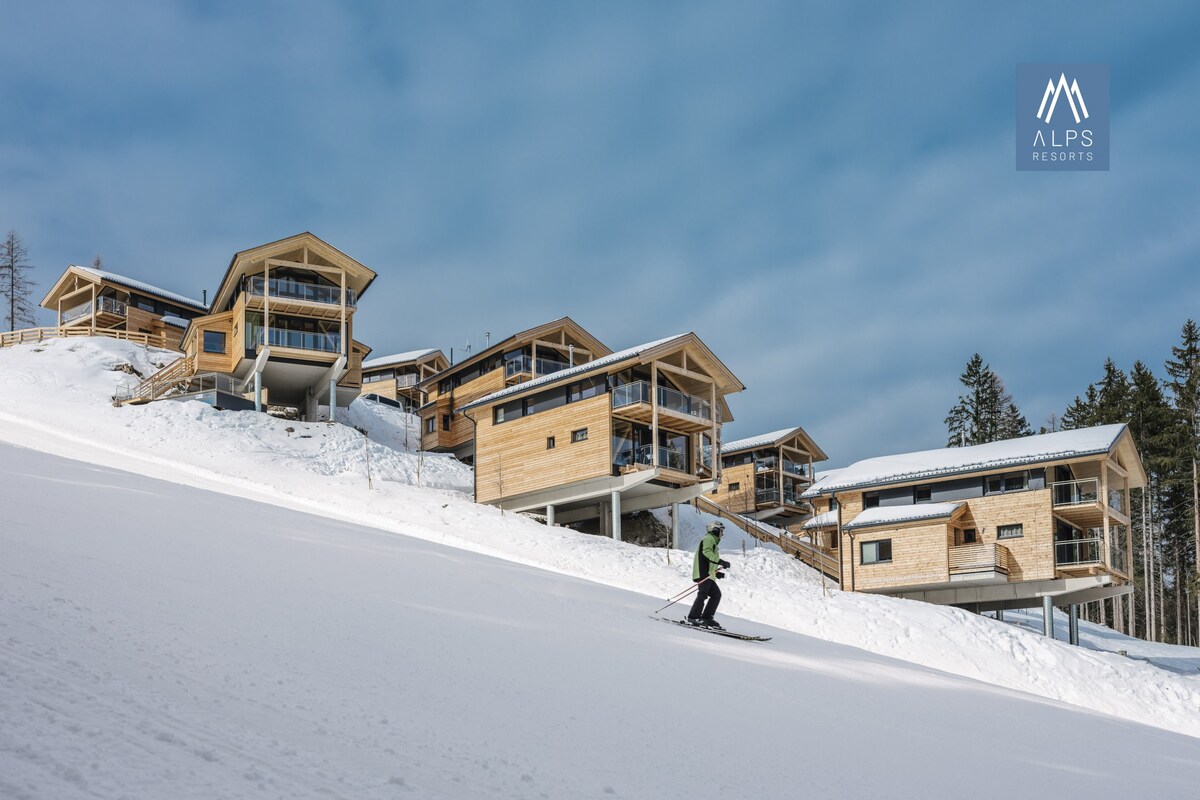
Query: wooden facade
99	300
641	423
399	377
525	356
765	477
1017	530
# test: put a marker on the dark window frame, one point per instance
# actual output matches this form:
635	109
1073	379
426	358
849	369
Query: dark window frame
549	442
880	543
925	489
224	342
870	500
579	435
1019	526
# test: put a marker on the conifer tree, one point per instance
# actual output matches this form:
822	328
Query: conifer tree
16	286
985	412
1183	523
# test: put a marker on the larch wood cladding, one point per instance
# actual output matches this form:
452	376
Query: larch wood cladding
741	500
920	554
512	458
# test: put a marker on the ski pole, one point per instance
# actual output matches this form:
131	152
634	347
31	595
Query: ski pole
682	595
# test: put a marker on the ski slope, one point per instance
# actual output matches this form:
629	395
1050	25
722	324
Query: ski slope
158	640
53	399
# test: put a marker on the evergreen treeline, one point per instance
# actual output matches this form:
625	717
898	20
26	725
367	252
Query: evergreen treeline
1164	416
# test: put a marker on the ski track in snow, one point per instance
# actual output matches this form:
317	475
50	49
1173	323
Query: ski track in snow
53	398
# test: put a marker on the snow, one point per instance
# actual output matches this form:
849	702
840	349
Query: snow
890	515
150	288
693	524
822	520
178	322
571	372
954	460
211	601
397	358
753	442
160	641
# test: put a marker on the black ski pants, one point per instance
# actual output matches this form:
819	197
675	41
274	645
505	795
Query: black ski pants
708	597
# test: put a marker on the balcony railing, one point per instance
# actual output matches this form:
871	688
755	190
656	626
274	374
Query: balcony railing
978	557
1074	552
524	363
104	305
1076	493
670	399
304	340
766	495
795	468
308	292
407	381
668	457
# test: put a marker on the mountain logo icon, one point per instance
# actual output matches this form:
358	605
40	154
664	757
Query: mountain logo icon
1070	92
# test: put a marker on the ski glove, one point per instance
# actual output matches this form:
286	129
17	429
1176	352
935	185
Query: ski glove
723	563
720	575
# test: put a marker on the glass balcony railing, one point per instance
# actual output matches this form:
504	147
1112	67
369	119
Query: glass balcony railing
1116	500
308	292
668	457
305	340
766	495
1076	493
523	363
795	468
406	381
1074	552
104	305
670	399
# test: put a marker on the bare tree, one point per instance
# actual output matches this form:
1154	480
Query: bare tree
16	287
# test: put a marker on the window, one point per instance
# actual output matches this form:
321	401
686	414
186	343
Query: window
513	409
1012	482
586	388
579	435
1010	531
431	425
879	552
445	422
214	341
735	486
549	442
969	536
833	504
922	494
871	500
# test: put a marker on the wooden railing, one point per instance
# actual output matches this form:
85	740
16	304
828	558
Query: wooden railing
978	557
35	335
814	556
169	378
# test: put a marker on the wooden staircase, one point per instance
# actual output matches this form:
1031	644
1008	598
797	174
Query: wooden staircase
172	377
813	556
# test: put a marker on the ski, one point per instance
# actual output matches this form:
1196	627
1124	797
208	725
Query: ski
728	634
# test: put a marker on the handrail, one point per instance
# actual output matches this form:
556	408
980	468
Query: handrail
285	289
1074	493
669	399
1070	552
35	335
805	551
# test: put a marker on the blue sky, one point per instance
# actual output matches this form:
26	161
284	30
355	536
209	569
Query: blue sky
826	195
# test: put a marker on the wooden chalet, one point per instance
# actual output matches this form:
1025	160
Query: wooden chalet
91	299
765	476
398	377
526	356
1039	520
627	431
280	331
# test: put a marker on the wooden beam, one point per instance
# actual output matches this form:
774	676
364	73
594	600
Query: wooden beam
557	346
344	343
279	262
1115	467
654	413
687	373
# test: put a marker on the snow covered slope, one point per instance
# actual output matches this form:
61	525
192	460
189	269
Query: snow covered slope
52	398
159	641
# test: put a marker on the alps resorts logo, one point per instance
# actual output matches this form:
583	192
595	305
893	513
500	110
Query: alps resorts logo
1062	117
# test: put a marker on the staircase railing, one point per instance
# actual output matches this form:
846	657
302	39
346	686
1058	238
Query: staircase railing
171	377
807	552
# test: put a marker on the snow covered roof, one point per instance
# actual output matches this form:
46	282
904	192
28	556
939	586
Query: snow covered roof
754	442
948	461
894	515
149	288
582	369
823	520
171	319
398	358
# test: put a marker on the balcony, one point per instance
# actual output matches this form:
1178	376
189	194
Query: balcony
684	410
533	367
980	562
407	381
284	293
304	340
643	456
104	305
1078	552
766	495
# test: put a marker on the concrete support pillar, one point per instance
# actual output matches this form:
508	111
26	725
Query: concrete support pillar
258	391
332	397
549	516
1048	616
1000	615
675	525
616	516
1073	623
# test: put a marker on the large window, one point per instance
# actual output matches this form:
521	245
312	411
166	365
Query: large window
871	500
878	552
1000	484
1010	531
214	341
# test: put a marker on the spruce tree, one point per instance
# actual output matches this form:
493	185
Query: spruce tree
985	412
1183	520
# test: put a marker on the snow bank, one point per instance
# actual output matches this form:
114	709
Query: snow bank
53	398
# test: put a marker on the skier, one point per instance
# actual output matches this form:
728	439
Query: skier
706	569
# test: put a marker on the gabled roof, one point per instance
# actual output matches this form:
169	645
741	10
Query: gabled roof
899	515
597	347
130	283
950	461
361	275
641	353
400	358
774	439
